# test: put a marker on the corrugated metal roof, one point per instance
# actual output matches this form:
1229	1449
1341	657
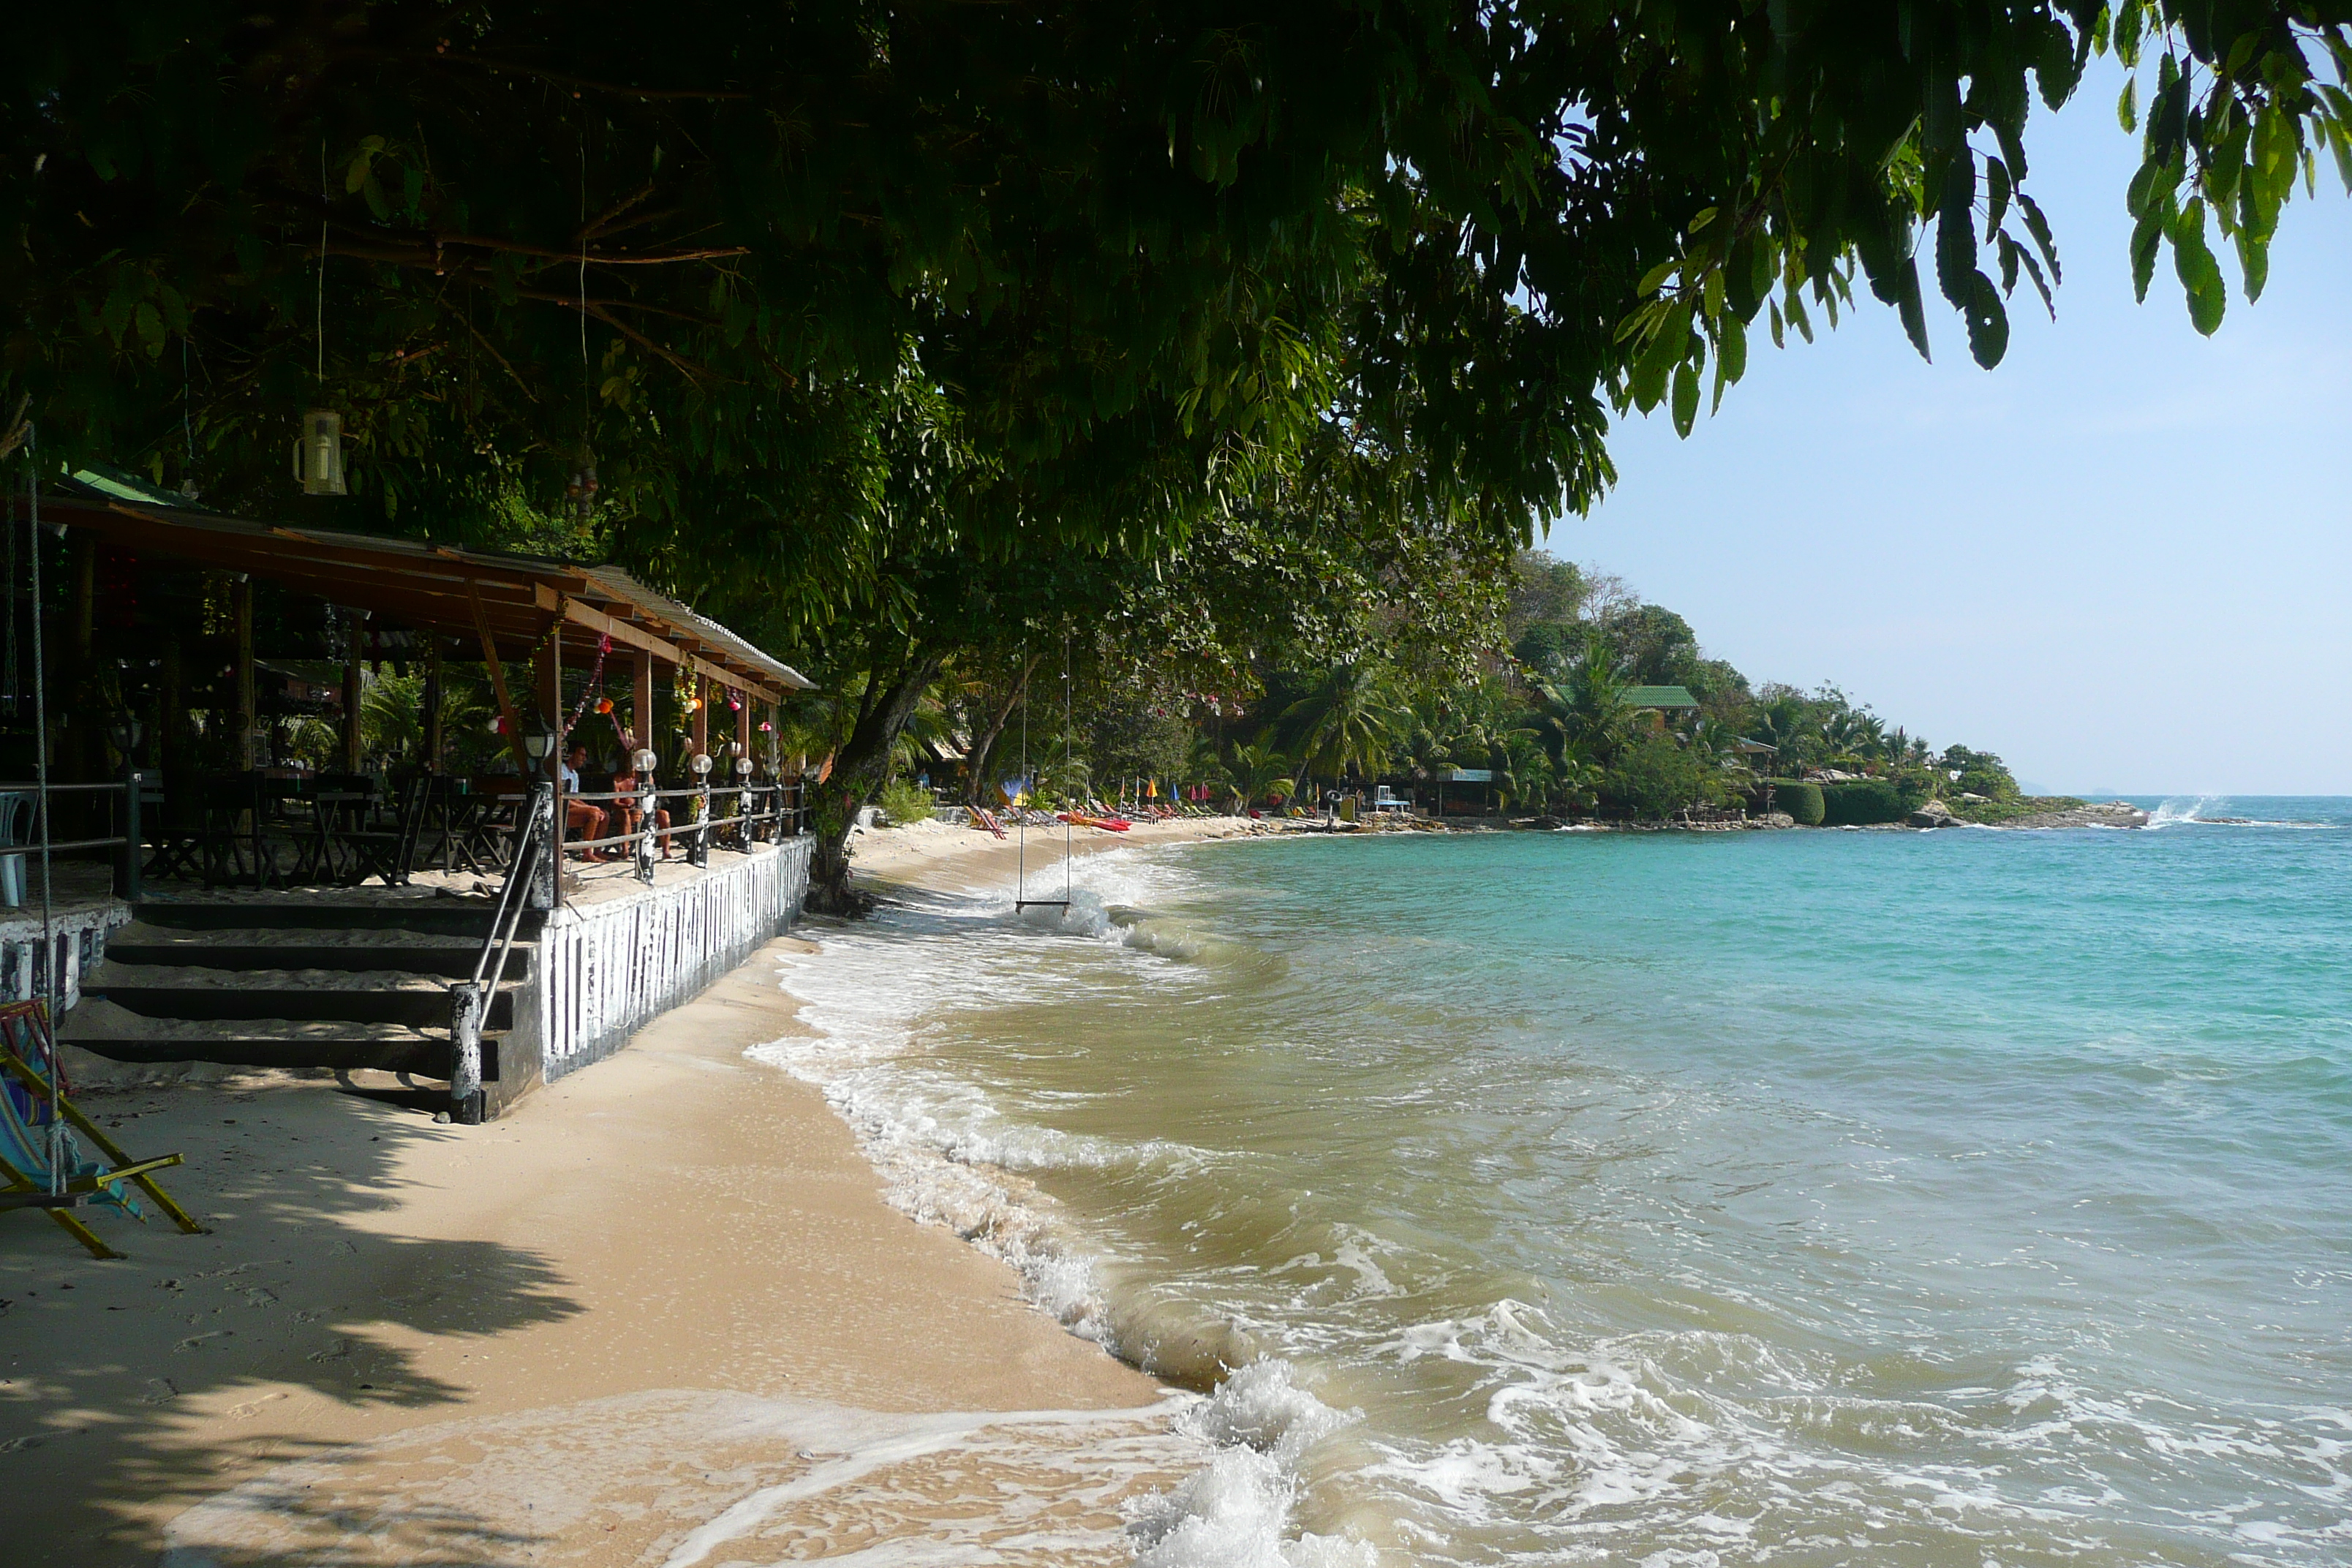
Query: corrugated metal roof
1659	697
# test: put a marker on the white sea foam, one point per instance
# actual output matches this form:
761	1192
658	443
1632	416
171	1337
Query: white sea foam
1237	1513
950	1157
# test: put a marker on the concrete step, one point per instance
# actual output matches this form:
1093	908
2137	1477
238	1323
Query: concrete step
462	918
198	991
271	1042
249	947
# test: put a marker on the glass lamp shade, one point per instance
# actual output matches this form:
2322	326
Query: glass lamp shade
318	453
539	743
743	766
645	762
702	763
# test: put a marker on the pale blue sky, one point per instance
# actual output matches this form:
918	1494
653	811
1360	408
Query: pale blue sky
2123	560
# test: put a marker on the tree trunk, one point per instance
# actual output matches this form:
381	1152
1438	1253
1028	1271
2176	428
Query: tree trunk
860	769
977	767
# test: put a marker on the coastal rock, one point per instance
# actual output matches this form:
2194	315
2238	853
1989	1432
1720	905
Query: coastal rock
2105	814
1935	814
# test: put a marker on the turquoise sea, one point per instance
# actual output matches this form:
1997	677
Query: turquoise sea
1970	1197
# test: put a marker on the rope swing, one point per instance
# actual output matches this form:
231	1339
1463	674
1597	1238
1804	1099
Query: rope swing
1021	898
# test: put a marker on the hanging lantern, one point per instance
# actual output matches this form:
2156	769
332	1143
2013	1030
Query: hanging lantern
580	490
318	453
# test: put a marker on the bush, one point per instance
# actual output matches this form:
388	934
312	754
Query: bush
1800	800
903	803
1858	802
1655	778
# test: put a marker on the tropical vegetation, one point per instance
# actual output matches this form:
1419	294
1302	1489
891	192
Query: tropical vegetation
1235	348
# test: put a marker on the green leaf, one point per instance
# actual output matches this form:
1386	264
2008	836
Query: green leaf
1907	303
2200	274
1706	217
1996	184
2041	284
2255	263
150	321
1731	349
1987	321
2128	106
1659	356
1711	293
115	314
1956	233
2039	227
1779	339
1655	277
1686	398
2147	238
1796	314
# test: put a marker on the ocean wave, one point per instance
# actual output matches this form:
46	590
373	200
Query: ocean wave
950	1157
2191	811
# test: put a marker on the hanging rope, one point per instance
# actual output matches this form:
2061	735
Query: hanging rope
1020	813
1068	823
10	682
49	964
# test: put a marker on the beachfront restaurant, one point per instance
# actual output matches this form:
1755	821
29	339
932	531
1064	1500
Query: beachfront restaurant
321	800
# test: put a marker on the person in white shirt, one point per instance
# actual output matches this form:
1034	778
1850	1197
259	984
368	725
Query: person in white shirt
582	819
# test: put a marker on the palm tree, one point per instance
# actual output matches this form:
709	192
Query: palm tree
1783	726
1258	773
1591	713
1578	780
1348	722
1428	743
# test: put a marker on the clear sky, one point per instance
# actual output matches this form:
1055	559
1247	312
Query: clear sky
2123	560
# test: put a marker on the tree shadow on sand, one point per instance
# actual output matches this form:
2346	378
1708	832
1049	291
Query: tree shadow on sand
120	1381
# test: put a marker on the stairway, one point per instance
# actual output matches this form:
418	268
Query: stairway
294	985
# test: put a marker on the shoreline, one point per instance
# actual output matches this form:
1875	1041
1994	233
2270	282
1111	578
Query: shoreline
674	1272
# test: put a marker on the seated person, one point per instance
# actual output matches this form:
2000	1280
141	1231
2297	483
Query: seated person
626	784
581	819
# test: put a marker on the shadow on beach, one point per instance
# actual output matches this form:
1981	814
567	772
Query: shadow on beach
133	1388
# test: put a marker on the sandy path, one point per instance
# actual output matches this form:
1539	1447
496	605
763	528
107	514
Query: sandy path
659	1314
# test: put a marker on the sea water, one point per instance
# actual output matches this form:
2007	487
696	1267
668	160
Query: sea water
1970	1197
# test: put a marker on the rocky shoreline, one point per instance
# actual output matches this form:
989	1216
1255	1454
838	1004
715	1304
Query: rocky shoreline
2105	814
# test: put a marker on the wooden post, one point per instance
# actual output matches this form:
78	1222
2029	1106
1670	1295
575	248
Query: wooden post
547	665
513	721
353	684
433	737
240	598
641	700
85	618
701	689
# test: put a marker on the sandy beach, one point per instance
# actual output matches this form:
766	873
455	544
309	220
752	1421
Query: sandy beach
661	1314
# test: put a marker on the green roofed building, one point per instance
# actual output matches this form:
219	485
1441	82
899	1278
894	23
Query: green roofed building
1664	698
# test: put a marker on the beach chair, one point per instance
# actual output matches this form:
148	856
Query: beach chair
39	1124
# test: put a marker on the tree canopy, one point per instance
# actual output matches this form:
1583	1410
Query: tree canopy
860	322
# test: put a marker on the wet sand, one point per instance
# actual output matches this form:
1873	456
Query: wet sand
660	1313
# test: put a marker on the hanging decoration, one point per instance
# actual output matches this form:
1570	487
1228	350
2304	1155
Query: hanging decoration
580	490
595	679
318	449
318	453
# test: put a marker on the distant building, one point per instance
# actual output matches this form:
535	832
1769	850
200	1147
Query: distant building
1660	703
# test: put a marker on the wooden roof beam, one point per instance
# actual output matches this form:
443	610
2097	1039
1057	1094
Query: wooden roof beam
620	631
